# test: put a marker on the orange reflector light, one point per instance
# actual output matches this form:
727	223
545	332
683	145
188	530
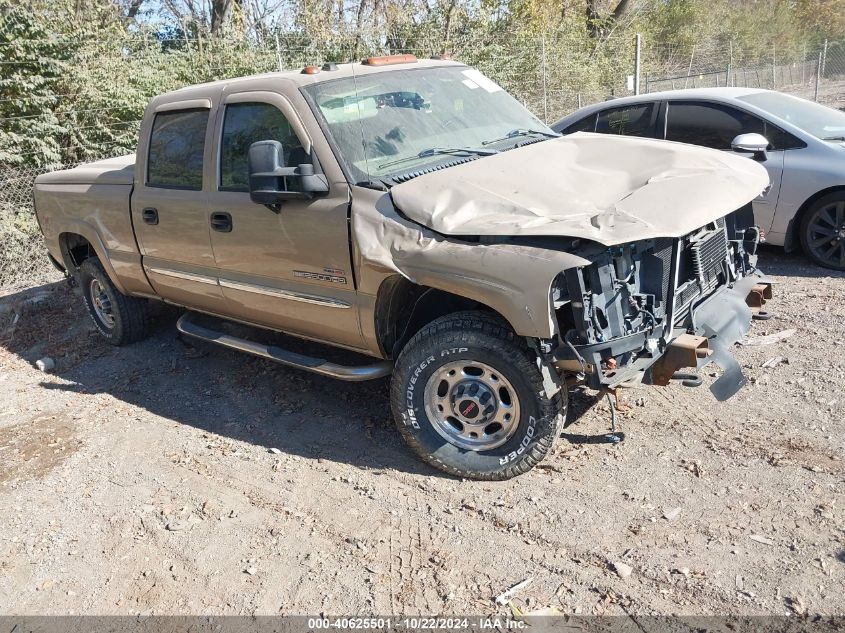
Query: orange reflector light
310	70
387	60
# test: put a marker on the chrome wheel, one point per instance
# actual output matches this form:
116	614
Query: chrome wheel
101	303
472	405
826	234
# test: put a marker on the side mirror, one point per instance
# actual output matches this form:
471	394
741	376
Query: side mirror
756	144
271	183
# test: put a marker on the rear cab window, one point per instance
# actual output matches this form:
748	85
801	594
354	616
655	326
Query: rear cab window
177	145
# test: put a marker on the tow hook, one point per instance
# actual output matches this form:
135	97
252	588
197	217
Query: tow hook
684	351
688	379
756	299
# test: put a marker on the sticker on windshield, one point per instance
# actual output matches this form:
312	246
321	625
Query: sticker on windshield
469	83
476	77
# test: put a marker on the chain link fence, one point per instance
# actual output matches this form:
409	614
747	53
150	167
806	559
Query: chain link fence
550	74
816	73
23	257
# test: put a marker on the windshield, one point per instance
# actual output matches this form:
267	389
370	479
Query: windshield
406	120
818	120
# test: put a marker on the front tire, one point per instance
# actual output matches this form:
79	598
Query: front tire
119	319
468	398
822	231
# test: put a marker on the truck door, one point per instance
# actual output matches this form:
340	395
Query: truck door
288	268
169	206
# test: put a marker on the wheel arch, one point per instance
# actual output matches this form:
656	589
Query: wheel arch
75	249
512	280
403	308
76	246
793	238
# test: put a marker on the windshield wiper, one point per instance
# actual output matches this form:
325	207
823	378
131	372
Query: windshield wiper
433	151
834	138
522	132
378	185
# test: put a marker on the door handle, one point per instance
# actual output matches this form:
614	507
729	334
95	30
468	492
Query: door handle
221	221
150	215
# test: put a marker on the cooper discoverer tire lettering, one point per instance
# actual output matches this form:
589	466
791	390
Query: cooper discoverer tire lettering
468	398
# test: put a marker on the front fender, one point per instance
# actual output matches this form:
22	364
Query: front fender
514	280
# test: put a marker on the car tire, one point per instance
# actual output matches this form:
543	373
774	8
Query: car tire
468	398
822	231
119	319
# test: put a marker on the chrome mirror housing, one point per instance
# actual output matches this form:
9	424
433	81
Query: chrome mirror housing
754	143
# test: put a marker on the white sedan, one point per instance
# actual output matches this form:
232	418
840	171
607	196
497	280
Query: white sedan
801	144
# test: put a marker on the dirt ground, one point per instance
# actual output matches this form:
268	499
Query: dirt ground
831	93
167	478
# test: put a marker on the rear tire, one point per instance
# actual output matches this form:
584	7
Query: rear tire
468	398
822	231
119	319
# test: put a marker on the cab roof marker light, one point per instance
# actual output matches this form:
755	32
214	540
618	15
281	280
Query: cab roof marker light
310	70
388	60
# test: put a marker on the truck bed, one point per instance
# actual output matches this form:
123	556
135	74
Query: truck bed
111	171
91	202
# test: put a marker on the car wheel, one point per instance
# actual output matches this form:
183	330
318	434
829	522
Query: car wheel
823	231
468	398
118	318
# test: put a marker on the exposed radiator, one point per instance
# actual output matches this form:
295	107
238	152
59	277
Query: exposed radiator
709	251
705	257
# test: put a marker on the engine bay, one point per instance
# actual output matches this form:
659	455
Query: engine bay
617	316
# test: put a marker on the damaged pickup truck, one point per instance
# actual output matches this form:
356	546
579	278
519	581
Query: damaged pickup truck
413	212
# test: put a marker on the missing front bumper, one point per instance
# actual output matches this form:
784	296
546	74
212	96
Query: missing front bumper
716	324
720	322
756	299
684	351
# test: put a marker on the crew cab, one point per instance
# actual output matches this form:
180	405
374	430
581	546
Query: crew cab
414	212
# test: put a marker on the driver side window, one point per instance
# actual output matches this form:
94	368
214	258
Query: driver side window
245	124
708	124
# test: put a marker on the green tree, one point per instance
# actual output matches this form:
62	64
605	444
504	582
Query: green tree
29	73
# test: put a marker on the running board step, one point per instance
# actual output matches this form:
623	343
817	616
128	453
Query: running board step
186	325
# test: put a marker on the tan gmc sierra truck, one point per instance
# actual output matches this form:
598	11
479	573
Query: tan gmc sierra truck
414	212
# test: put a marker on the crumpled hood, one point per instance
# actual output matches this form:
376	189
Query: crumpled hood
610	189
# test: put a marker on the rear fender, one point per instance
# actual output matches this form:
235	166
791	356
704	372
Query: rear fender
85	230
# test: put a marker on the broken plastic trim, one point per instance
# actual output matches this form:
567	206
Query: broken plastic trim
724	319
